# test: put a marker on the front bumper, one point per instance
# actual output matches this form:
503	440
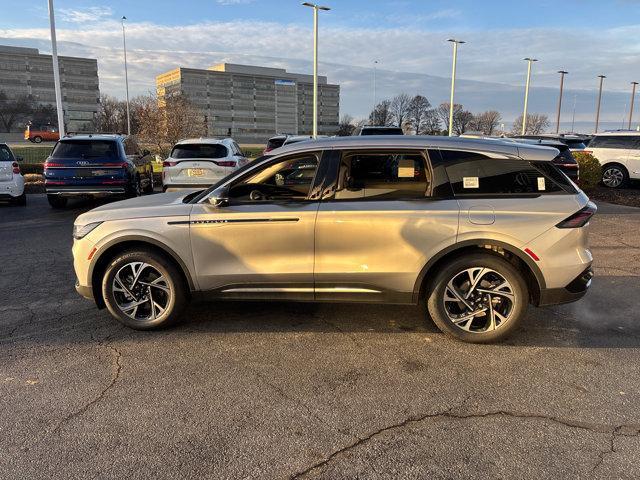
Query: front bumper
86	292
571	293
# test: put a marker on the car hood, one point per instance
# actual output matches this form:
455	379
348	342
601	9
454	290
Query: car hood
159	205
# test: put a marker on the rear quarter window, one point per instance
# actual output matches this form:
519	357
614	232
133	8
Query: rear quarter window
615	141
5	154
199	151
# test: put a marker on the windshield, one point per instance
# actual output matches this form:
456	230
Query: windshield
237	174
86	149
199	150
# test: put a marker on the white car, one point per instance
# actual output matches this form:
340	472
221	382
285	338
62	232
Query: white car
11	180
200	162
619	155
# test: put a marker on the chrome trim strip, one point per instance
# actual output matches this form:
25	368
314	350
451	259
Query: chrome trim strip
346	290
235	220
268	290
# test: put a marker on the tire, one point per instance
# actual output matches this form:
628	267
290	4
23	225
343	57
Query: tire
497	318
56	201
21	201
134	189
170	293
614	175
150	187
37	139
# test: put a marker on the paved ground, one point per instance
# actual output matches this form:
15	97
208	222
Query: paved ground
311	391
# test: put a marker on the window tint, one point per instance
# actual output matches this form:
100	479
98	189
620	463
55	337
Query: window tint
288	179
476	174
199	150
555	174
5	154
275	143
615	141
86	149
382	175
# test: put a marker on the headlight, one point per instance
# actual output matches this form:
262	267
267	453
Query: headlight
81	231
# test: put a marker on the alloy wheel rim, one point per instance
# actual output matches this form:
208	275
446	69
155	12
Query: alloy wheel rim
479	300
141	292
612	177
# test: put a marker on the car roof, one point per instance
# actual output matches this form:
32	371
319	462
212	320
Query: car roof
208	141
495	146
98	136
621	133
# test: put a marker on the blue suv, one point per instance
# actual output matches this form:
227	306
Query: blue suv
97	166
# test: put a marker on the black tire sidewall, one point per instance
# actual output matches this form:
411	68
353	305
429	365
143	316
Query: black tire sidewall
435	296
56	201
167	269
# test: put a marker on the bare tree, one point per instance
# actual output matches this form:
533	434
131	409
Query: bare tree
421	118
462	118
400	109
381	115
537	123
112	115
346	126
486	122
15	111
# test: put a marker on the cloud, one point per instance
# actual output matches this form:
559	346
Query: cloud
234	2
86	15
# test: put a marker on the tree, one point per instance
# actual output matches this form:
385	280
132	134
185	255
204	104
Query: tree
13	111
112	115
346	126
421	118
461	118
537	123
381	115
400	109
486	122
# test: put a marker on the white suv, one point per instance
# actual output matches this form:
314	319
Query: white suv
200	162
11	180
619	155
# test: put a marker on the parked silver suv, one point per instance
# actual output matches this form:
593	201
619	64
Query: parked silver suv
476	228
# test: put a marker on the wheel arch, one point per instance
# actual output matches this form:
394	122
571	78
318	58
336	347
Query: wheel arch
533	275
110	250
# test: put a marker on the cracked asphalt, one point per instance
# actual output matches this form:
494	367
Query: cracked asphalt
276	390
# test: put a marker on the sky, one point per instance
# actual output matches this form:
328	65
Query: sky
407	38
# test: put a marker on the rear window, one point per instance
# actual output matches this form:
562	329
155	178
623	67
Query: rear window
86	149
615	141
476	174
196	150
382	131
575	144
5	154
275	143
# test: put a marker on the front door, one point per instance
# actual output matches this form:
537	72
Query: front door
260	244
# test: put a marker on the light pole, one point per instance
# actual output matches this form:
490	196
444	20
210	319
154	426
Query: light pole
526	93
315	62
375	73
601	77
56	70
633	98
453	80
126	75
562	74
573	117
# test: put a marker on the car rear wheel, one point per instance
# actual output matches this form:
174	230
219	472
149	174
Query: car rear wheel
144	291
21	200
478	298
56	201
151	185
614	176
134	189
37	139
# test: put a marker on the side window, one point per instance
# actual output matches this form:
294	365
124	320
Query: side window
382	175
476	174
237	150
616	141
289	179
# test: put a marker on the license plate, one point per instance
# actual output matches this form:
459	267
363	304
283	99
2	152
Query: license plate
99	173
196	172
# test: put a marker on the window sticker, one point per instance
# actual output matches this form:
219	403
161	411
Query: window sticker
542	186
471	182
406	169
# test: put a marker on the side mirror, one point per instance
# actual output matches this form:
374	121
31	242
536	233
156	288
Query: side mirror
220	197
19	158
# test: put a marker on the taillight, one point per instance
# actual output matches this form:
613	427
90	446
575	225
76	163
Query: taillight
167	163
50	164
580	218
590	152
16	168
115	164
226	163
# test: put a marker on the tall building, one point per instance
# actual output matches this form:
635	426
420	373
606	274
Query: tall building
25	71
253	103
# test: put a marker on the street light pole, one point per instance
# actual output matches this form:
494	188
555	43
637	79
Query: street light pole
633	98
375	74
315	63
126	75
453	80
562	74
526	93
56	70
601	77
573	117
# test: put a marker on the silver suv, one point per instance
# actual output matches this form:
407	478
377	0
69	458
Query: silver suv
477	229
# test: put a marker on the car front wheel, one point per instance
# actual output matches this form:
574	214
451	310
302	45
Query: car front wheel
143	291
478	298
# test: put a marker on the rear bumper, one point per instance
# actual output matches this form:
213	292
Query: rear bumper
573	292
94	191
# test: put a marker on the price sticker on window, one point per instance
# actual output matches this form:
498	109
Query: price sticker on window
470	182
406	169
542	186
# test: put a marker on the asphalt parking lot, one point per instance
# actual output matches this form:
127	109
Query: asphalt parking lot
274	390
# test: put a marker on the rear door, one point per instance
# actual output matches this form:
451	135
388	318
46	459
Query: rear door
385	215
633	155
6	164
